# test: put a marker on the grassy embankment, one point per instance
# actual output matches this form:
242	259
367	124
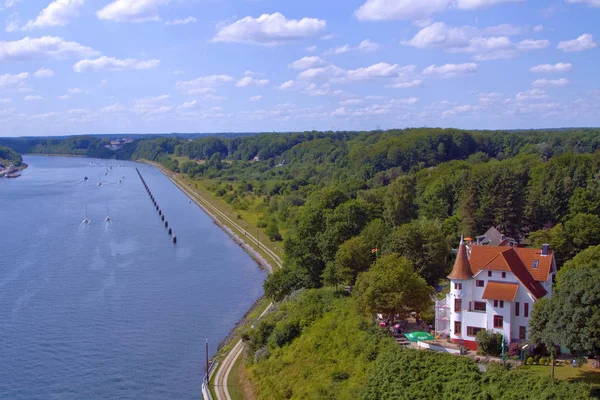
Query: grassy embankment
246	219
316	346
567	373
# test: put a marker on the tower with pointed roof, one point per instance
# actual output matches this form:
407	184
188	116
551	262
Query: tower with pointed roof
494	288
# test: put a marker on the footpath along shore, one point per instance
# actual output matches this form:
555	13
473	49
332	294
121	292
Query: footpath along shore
236	232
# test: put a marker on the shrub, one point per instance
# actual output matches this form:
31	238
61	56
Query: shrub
530	361
272	231
489	343
285	332
514	349
340	376
542	361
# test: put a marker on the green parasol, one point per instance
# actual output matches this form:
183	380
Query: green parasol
418	336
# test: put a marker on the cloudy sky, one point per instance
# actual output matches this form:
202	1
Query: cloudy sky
161	66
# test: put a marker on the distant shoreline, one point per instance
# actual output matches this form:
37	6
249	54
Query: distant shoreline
55	155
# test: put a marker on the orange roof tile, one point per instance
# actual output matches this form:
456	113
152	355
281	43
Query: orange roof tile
497	258
461	269
500	291
481	256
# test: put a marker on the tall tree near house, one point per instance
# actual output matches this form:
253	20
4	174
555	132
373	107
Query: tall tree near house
543	328
576	303
423	243
391	287
353	257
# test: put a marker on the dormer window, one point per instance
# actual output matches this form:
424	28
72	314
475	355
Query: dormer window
535	264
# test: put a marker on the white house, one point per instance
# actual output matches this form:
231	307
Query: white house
494	288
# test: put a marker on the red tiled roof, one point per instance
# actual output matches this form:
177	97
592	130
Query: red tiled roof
500	291
461	269
482	255
498	258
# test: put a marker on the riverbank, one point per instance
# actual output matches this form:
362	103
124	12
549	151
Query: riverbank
13	172
231	348
241	236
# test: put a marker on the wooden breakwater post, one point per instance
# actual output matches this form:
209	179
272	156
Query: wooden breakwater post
160	213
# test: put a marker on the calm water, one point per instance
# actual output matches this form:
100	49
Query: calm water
111	310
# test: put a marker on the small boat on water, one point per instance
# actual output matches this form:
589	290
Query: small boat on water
85	221
85	178
10	176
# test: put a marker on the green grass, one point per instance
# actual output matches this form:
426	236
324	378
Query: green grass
248	219
331	359
234	380
584	374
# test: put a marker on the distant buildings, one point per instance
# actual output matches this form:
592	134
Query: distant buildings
117	144
494	286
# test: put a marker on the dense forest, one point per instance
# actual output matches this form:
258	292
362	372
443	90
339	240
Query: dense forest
8	156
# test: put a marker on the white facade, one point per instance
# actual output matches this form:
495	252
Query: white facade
507	297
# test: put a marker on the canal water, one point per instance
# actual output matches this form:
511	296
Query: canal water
111	310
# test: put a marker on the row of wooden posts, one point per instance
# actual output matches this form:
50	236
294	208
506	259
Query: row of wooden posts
160	213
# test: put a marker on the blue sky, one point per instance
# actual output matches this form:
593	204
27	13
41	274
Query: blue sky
162	66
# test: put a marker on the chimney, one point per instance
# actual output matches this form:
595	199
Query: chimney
545	249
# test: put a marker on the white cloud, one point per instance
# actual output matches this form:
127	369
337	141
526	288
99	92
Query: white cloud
75	91
364	46
204	84
530	44
14	79
335	74
33	98
504	30
12	22
5	100
550	82
250	81
269	29
44	115
350	102
45	47
188	104
286	85
470	40
402	84
184	21
379	70
532	95
339	50
311	49
367	46
114	64
538	28
590	3
113	109
307	62
583	42
558	67
43	73
451	70
64	97
487	98
132	10
153	100
58	13
255	98
387	10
